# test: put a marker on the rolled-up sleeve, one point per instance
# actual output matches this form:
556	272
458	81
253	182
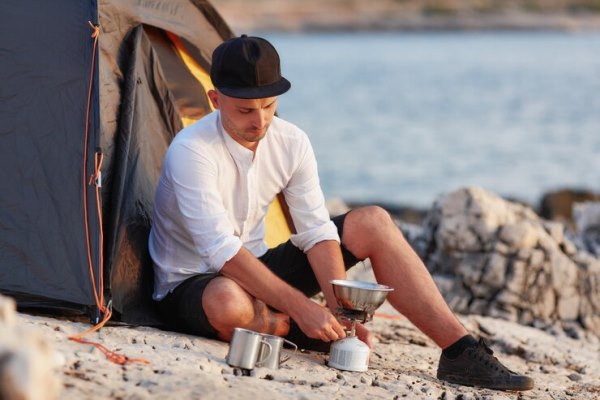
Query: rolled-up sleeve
194	178
306	202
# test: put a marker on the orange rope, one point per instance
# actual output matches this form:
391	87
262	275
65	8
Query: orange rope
99	299
388	316
111	355
96	180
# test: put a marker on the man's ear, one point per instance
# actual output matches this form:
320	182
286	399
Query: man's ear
214	98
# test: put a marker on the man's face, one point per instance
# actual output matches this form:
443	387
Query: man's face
245	120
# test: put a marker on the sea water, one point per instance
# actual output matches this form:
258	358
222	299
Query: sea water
406	117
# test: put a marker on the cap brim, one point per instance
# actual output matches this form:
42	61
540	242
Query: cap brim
259	92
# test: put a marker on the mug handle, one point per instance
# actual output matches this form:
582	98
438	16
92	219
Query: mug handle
262	360
288	357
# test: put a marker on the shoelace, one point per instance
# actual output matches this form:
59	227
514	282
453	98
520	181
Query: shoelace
486	355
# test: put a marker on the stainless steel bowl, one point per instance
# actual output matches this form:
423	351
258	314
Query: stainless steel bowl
359	295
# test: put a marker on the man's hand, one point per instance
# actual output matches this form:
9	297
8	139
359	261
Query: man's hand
365	335
361	332
317	322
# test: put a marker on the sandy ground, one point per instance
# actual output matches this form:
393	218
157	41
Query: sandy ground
403	365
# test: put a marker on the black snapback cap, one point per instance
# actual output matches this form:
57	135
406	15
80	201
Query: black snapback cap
247	67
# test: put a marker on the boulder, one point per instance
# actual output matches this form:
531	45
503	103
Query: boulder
559	205
587	226
27	360
8	311
505	261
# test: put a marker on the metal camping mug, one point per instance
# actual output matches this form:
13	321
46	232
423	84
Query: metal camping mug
272	354
244	348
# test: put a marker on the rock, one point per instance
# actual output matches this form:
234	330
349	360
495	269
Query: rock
27	360
574	377
520	235
568	308
8	311
586	215
587	226
559	205
495	274
555	230
507	262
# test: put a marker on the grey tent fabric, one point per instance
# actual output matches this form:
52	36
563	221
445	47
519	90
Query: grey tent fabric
45	51
141	89
146	126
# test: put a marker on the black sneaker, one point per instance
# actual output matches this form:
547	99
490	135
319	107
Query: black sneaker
476	366
304	342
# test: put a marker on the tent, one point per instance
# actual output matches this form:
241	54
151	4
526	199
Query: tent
92	93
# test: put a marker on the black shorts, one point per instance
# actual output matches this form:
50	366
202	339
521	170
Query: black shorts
182	308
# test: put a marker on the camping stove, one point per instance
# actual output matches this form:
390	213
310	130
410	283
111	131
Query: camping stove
358	302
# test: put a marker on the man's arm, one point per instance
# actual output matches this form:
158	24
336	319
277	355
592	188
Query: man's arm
327	263
251	274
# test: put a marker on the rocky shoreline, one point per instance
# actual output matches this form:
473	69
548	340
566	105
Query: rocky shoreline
523	283
389	15
555	205
499	258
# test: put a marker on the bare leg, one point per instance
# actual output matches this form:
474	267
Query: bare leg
228	306
370	232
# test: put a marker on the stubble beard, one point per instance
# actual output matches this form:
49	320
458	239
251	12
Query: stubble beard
247	135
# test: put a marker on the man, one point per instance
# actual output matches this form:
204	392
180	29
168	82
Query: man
213	271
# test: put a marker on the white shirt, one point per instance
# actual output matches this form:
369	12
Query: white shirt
213	195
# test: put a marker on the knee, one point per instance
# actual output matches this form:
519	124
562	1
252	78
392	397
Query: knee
367	228
379	214
226	305
372	220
